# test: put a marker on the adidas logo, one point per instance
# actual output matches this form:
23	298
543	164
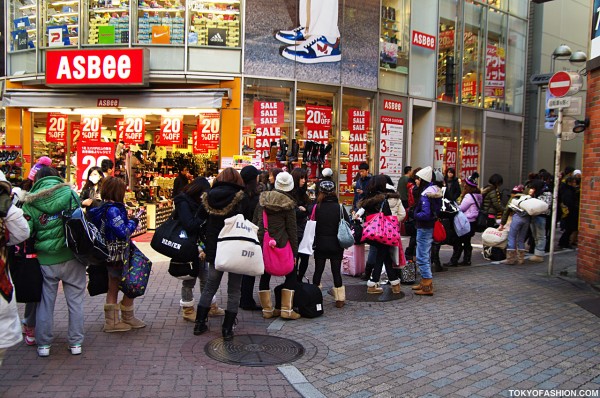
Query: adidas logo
217	37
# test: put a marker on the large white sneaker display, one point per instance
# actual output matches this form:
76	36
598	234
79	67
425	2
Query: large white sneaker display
291	36
314	50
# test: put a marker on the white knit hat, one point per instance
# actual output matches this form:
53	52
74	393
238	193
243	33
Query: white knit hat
425	174
327	172
284	182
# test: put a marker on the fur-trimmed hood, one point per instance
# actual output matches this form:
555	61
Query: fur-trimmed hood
50	195
276	201
432	191
373	201
222	199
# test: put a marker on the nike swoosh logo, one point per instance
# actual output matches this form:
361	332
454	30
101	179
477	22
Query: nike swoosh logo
159	34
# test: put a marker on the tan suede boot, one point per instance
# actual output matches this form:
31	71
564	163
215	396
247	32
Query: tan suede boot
426	287
511	257
339	293
111	320
215	310
417	286
287	306
396	289
129	318
189	314
374	288
521	257
264	296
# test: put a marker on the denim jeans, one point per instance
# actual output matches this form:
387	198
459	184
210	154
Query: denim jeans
538	230
518	232
424	241
234	292
187	286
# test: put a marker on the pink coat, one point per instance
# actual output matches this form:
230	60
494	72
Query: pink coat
469	207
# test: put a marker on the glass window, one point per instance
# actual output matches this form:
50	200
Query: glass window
473	59
214	23
257	138
470	142
500	4
394	44
515	67
108	22
23	23
60	23
447	50
422	53
446	138
519	8
495	61
160	21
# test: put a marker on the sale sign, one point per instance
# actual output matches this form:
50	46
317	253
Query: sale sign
317	123
469	159
438	156
268	113
391	138
206	136
495	71
91	128
451	155
133	129
171	130
358	124
56	127
75	133
91	155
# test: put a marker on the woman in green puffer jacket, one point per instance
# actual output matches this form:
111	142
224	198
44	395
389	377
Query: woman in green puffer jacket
43	207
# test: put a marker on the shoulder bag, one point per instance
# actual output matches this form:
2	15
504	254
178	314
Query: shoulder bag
483	218
136	272
439	232
381	228
83	237
461	224
344	235
173	241
25	272
308	238
238	248
279	261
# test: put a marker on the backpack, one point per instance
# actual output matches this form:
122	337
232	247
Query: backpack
309	300
84	238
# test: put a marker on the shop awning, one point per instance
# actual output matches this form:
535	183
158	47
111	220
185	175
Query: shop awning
153	98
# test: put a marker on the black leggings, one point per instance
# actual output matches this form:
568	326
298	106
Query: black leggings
384	257
302	264
336	271
290	281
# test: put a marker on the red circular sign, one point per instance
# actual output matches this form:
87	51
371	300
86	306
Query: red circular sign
559	84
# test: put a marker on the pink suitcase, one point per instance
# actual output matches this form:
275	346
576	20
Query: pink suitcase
353	263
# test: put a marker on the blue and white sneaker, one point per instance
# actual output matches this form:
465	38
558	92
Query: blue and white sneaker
291	36
314	50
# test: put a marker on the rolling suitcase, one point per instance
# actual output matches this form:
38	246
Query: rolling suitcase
353	263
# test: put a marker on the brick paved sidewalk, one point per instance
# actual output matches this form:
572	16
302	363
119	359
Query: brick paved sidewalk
488	329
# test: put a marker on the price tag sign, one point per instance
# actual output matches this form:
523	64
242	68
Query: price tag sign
91	127
207	133
91	155
56	127
133	129
317	123
171	130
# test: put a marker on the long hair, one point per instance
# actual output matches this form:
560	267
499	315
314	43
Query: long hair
196	188
88	183
376	184
230	175
299	193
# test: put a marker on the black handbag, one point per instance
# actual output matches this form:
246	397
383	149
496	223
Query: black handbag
183	270
25	272
98	279
481	223
173	241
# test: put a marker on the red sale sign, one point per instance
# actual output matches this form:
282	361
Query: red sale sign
171	130
91	155
495	71
358	124
317	123
75	133
268	113
469	159
91	128
133	129
56	127
206	136
451	155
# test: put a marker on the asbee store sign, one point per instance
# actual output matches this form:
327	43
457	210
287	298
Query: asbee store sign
104	67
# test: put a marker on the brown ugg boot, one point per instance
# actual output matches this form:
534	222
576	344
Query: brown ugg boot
511	257
264	296
396	289
215	310
287	306
426	287
339	293
374	288
129	318
417	286
521	257
189	314
111	320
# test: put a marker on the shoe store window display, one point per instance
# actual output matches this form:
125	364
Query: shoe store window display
187	206
48	198
317	39
280	207
225	199
14	229
515	248
112	218
426	209
471	203
376	193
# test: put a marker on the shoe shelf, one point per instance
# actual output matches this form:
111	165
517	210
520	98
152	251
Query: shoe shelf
214	23
160	22
11	163
108	22
22	24
158	213
61	16
142	227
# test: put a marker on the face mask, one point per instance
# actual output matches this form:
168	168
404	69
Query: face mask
94	179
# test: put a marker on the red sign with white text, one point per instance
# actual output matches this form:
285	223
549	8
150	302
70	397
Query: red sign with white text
56	127
268	113
75	134
206	136
317	123
91	155
495	71
391	105
450	155
469	159
423	40
171	130
95	67
358	124
133	130
91	128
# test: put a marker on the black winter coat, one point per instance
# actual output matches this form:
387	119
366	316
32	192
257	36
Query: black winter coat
187	212
327	216
223	201
452	189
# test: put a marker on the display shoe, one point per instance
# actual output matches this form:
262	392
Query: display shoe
291	36
281	153
324	150
307	151
290	149
314	50
314	155
273	152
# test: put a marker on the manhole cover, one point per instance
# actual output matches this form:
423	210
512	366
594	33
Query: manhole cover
254	350
359	293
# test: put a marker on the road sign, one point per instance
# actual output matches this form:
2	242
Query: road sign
565	83
540	79
557	103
